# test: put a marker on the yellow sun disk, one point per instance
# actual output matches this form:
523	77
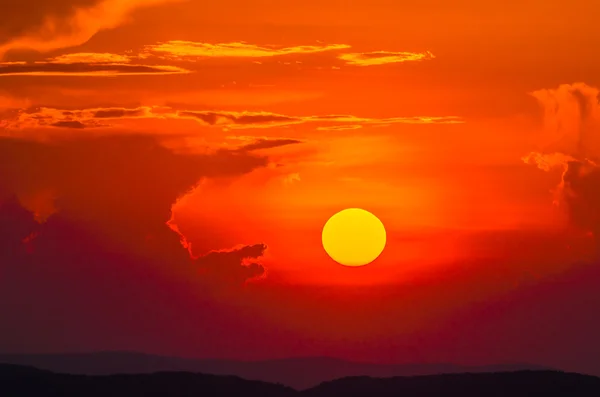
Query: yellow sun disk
354	237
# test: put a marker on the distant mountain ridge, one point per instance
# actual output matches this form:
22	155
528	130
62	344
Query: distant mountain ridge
20	381
298	373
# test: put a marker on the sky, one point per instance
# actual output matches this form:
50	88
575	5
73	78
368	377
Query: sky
168	166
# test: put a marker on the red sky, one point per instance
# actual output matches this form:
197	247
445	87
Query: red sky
167	168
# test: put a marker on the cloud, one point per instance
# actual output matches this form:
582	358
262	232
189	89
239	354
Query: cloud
69	124
547	162
86	64
69	23
177	50
340	127
112	113
96	68
90	118
40	117
241	260
383	57
243	120
260	144
90	57
572	120
240	119
109	195
189	50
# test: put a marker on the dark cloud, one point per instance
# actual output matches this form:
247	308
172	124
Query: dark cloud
258	118
83	69
69	124
21	16
269	144
32	117
51	25
118	113
118	191
214	118
223	263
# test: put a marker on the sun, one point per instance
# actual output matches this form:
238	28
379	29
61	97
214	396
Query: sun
354	237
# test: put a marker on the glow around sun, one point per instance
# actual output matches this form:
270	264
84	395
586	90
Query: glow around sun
354	237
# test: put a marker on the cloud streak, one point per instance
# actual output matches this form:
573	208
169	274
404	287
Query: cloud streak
102	64
49	117
98	67
383	57
244	120
41	117
191	51
264	143
91	57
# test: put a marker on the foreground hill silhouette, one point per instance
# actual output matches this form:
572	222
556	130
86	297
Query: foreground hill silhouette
22	381
299	373
503	384
18	381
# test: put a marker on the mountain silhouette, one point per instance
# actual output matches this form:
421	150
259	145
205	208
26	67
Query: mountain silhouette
503	384
299	373
20	381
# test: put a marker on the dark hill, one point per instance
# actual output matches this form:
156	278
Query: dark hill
299	373
18	381
505	384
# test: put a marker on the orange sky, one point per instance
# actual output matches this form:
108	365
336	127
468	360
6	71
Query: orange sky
268	117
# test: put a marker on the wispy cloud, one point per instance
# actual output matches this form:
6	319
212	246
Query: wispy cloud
248	143
91	57
86	118
548	161
340	127
383	57
242	120
144	62
262	143
189	50
95	65
91	118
